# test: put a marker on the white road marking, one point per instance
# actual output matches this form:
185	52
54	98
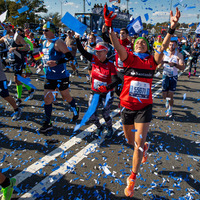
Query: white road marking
66	167
57	174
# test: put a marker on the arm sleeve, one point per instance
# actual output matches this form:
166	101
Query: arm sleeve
115	81
68	57
106	37
87	55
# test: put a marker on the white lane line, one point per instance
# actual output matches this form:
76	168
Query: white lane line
195	157
41	163
27	172
66	167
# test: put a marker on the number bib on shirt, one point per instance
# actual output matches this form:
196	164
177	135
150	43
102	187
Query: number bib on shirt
98	83
45	58
168	70
139	89
120	63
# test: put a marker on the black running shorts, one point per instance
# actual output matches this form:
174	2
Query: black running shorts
130	117
61	84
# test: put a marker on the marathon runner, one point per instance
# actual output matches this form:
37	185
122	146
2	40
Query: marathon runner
56	54
16	47
136	96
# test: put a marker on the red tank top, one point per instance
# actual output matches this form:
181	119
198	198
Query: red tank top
101	73
136	92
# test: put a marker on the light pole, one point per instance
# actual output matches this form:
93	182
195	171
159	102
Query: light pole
61	2
83	6
127	4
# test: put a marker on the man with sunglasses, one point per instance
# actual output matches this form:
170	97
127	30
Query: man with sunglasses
16	47
56	54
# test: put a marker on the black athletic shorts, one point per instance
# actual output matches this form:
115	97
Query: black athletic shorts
4	89
61	84
138	116
18	68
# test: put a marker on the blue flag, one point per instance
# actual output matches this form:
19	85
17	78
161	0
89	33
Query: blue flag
135	27
23	9
73	23
198	29
90	111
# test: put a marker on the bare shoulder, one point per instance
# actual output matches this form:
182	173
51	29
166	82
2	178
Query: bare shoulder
180	55
59	41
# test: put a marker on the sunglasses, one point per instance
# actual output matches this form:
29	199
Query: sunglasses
45	30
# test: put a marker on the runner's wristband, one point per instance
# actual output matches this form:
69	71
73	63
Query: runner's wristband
171	31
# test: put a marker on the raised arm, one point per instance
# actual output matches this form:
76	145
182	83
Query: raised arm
173	23
115	42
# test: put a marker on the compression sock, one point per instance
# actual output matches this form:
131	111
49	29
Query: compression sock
27	87
48	111
133	175
19	91
73	106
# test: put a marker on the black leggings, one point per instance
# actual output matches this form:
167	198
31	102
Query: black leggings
193	62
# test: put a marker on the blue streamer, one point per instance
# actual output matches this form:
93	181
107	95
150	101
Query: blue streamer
26	81
90	111
107	98
23	9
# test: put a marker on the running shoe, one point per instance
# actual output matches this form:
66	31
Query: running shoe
7	192
129	190
31	93
46	127
169	113
146	148
17	114
194	74
99	131
109	134
18	102
75	114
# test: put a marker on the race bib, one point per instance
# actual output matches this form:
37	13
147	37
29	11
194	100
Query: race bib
139	89
98	83
168	70
120	63
45	58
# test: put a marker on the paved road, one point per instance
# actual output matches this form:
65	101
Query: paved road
67	165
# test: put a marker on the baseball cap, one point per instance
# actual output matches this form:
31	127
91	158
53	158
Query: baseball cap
101	46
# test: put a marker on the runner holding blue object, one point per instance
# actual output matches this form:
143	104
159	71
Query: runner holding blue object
103	79
136	96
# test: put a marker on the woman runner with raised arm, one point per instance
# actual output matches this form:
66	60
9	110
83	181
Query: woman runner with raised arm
136	96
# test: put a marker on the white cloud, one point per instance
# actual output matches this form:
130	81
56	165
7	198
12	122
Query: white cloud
160	13
188	15
71	4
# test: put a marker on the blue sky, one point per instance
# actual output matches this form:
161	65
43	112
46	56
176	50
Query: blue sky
157	12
